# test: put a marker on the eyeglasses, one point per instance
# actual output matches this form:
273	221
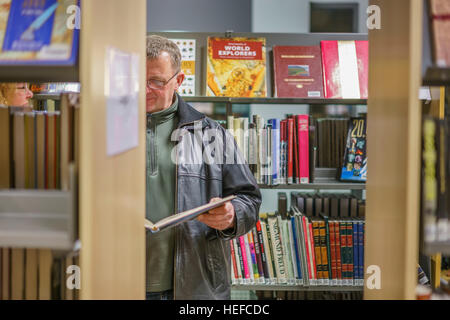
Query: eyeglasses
159	84
22	87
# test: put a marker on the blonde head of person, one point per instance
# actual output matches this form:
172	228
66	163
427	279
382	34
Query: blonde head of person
15	94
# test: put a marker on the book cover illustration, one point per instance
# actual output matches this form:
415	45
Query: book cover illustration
298	71
37	32
187	49
345	69
355	157
236	67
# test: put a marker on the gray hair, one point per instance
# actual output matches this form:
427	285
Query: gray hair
157	44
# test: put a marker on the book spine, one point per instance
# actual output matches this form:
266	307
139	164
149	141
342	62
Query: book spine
272	254
356	276
334	276
249	259
337	238
258	254
295	236
350	267
361	250
283	147
239	262
277	250
303	147
286	245
292	252
275	151
312	250
243	253
268	253
323	252
344	262
317	253
235	276
308	250
290	150
296	175
251	246
302	248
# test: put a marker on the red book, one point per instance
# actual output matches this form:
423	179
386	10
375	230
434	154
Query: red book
345	67
290	149
337	239
303	147
244	257
332	251
233	260
350	266
343	234
297	71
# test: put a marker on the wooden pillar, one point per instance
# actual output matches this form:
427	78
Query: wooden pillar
393	131
112	189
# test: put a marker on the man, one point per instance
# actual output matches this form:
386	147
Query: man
192	260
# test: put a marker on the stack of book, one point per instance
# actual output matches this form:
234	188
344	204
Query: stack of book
286	151
36	149
303	250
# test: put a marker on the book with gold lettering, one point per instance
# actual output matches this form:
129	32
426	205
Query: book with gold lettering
181	217
298	72
236	67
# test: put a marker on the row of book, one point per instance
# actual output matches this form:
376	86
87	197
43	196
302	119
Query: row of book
287	151
435	180
300	250
37	149
236	67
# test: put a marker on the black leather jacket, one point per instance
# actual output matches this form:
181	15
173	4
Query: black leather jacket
202	254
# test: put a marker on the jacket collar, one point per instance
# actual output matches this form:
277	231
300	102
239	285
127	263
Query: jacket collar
186	113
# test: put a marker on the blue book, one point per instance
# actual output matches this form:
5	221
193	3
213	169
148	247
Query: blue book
29	29
297	257
355	158
361	248
356	275
275	150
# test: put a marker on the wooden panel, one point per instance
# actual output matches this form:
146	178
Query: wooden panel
394	118
112	189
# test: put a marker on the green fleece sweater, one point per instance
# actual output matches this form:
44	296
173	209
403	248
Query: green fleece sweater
160	197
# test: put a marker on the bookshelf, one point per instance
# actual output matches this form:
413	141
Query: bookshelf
325	178
110	198
264	287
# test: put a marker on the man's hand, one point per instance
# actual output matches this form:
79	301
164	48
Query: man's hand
220	218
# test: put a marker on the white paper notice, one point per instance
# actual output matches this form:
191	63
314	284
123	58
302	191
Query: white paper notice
122	92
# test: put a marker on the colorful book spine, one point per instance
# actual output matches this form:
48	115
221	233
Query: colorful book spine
317	253
334	275
350	266
277	249
243	253
258	253
251	245
290	151
303	147
324	252
295	235
337	238
268	251
249	259
312	249
356	276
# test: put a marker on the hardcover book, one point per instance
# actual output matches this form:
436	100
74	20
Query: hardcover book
236	67
355	157
345	67
297	72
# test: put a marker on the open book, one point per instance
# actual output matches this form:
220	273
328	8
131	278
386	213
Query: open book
181	217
